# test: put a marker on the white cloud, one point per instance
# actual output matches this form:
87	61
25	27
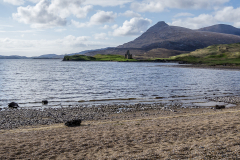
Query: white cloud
20	2
65	8
99	18
105	3
39	16
135	26
195	22
102	17
78	24
159	6
47	14
105	26
34	1
72	41
227	14
129	13
148	6
100	36
115	26
184	15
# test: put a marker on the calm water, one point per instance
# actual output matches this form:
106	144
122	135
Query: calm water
28	82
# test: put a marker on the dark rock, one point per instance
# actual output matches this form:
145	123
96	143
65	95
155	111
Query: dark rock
13	105
44	102
219	106
73	123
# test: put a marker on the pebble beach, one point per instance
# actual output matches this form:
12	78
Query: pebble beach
15	118
137	131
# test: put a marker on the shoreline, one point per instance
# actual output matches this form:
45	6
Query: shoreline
22	117
202	66
182	133
134	131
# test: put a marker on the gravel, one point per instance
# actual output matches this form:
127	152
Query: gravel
15	118
232	100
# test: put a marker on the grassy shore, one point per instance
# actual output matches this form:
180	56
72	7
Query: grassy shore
98	57
224	54
199	133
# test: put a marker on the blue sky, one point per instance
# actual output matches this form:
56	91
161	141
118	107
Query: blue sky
37	27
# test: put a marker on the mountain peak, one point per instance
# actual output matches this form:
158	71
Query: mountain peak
161	24
158	26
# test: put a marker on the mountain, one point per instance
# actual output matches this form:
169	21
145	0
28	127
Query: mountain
162	35
222	28
171	38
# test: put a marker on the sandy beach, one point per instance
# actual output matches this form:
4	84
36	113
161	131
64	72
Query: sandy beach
182	133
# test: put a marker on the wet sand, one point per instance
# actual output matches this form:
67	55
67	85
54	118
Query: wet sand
199	133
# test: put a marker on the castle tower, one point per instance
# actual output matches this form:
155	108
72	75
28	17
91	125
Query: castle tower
128	55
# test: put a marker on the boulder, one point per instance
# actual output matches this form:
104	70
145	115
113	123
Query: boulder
44	102
73	123
13	105
219	106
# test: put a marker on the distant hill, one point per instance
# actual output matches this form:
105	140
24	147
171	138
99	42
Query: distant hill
49	56
172	39
13	57
86	51
222	28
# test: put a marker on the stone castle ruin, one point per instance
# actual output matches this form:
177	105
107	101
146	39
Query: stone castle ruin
128	55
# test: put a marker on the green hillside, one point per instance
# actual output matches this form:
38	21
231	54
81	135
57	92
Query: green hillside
224	54
98	57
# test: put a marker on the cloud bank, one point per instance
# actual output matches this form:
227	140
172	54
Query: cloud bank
133	27
162	5
47	14
227	14
100	17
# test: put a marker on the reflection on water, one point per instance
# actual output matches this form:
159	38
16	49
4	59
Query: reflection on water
28	82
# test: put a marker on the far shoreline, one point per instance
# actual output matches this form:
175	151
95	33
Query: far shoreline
203	66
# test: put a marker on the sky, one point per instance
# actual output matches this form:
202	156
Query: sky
37	27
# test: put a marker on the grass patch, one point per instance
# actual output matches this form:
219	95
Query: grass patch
98	57
111	57
78	58
224	54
